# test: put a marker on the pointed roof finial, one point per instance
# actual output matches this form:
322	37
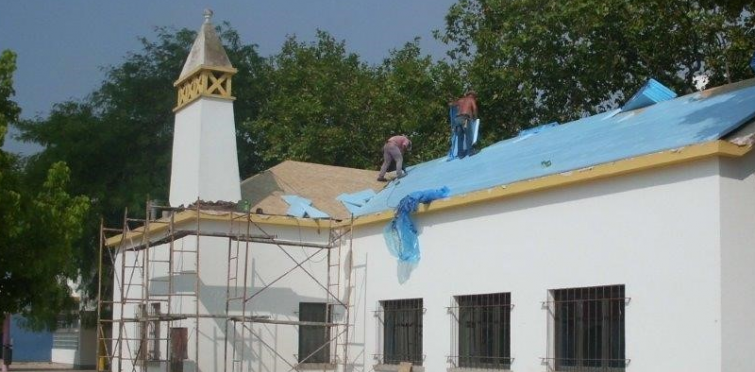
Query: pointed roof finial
207	50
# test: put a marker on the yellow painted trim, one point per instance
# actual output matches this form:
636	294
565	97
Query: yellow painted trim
190	216
594	173
202	82
597	172
198	96
191	73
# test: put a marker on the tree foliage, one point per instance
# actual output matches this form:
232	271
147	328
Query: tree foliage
531	62
117	142
39	229
537	61
324	105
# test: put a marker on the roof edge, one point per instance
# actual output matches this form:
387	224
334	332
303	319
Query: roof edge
717	148
593	173
137	235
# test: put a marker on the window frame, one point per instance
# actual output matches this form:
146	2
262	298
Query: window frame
321	355
587	328
481	322
391	315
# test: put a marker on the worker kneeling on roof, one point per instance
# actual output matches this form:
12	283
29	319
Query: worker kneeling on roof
393	150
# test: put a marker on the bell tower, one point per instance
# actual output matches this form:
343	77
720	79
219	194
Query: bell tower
205	162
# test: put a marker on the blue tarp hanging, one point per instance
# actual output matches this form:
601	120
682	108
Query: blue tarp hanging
401	234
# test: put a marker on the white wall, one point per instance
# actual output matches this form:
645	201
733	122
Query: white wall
738	262
665	234
270	346
654	232
205	162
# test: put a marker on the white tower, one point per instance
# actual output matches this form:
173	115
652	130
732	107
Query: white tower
205	163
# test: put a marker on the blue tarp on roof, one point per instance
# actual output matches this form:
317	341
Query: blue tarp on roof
691	119
302	207
651	93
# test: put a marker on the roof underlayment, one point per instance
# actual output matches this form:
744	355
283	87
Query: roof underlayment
321	184
692	119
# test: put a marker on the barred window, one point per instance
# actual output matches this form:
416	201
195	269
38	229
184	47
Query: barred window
148	347
588	329
314	340
481	331
402	331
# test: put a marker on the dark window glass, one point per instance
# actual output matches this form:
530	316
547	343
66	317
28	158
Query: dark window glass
484	331
589	328
402	331
314	340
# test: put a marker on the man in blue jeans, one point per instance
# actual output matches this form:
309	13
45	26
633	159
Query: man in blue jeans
467	112
393	150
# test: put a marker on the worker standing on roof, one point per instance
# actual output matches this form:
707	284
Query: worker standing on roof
393	150
461	126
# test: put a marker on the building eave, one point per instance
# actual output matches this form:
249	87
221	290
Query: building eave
187	217
718	148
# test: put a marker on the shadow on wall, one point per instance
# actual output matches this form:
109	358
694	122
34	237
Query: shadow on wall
255	343
271	301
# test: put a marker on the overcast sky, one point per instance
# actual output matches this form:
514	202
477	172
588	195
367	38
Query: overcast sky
62	45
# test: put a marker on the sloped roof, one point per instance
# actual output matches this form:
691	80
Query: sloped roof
317	182
207	50
692	119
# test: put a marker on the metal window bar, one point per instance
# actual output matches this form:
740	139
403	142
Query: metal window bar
481	331
400	325
588	329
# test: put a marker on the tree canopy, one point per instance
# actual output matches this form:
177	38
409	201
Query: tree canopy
530	61
39	228
537	61
324	105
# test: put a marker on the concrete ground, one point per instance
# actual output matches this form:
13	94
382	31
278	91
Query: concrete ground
44	366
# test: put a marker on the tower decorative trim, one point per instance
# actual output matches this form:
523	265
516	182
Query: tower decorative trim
204	81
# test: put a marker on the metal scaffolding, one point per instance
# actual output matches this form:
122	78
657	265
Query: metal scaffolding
157	323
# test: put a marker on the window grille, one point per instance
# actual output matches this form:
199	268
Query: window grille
148	346
314	340
587	329
154	331
400	325
481	331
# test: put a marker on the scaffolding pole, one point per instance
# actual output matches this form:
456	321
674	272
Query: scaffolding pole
240	244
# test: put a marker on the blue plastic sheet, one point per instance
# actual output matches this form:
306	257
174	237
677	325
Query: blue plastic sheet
356	200
302	207
401	234
611	136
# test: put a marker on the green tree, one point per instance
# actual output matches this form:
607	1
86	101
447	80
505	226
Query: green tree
39	229
324	105
537	61
118	140
318	105
415	91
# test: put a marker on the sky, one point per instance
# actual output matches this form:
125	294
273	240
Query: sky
63	45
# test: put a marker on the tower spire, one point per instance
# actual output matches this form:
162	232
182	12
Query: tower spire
205	162
207	71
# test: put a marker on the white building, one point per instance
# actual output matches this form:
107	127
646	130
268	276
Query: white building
619	242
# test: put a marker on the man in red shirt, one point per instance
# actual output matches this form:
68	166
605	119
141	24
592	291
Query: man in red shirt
393	150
